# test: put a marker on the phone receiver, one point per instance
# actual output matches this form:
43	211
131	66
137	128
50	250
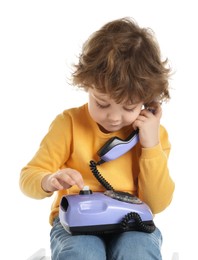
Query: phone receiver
115	147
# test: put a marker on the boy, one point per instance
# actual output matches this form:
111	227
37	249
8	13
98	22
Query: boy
120	67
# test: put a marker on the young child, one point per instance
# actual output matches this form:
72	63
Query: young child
121	69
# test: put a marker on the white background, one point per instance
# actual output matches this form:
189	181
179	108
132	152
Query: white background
39	40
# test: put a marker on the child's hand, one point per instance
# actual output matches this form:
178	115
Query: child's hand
148	124
62	179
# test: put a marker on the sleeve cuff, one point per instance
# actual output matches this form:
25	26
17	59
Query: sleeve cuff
153	152
41	190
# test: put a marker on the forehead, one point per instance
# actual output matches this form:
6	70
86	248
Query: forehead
99	95
107	98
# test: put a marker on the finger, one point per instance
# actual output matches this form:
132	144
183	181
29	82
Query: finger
141	118
66	180
76	178
137	124
147	113
56	184
71	177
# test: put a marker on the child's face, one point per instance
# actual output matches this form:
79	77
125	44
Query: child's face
109	115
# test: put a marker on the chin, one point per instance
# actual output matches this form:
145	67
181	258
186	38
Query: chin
113	129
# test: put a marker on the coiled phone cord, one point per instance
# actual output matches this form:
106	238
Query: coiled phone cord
99	177
141	226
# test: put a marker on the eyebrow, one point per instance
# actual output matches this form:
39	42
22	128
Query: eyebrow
99	98
131	106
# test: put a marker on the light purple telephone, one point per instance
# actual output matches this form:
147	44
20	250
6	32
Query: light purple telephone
109	212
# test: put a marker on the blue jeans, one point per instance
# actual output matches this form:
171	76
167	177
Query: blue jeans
130	245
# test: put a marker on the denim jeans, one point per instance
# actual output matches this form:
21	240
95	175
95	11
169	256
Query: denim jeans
130	245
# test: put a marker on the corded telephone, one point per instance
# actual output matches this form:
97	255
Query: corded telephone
109	212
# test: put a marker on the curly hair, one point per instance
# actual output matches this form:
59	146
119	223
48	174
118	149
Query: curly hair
123	60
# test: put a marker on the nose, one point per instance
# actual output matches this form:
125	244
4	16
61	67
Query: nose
114	116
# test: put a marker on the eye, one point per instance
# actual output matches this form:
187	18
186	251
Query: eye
102	106
129	109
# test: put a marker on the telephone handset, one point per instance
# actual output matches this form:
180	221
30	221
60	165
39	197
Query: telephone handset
115	146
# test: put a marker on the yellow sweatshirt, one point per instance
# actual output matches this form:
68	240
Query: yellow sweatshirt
73	140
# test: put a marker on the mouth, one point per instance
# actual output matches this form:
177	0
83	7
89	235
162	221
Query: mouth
116	126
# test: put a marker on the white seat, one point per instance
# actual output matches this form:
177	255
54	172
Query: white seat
39	255
175	256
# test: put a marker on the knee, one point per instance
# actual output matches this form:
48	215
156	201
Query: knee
136	245
79	254
80	247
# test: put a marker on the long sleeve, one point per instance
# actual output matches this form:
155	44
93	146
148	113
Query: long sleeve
51	155
155	186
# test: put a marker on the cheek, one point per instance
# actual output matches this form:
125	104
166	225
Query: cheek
94	113
131	117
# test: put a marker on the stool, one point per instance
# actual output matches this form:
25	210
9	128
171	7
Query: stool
39	255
